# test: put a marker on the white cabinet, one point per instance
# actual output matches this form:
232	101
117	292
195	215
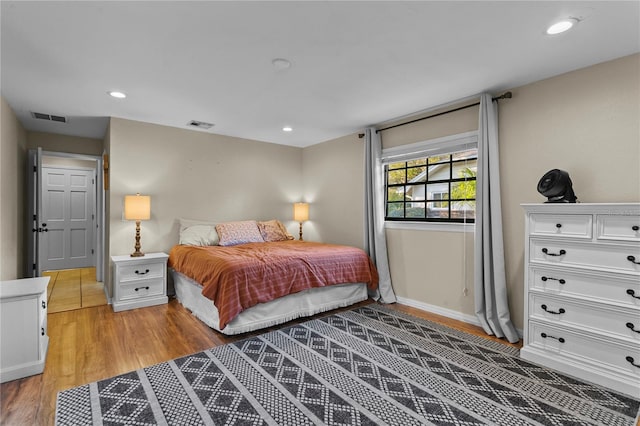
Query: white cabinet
139	281
23	327
582	291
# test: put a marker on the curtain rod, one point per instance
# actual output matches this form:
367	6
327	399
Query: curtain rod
506	95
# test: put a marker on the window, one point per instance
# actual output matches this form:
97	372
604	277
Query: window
436	188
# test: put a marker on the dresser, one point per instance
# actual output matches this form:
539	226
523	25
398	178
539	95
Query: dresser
23	327
582	291
139	281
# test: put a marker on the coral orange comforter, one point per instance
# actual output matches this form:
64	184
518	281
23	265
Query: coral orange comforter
239	277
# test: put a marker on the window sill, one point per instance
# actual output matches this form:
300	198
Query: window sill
431	226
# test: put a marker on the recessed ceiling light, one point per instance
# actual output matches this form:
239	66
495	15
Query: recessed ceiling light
287	129
117	94
561	26
281	63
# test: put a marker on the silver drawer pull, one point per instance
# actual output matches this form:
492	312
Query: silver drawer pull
560	311
558	225
632	293
141	273
44	305
141	288
560	280
631	361
546	251
632	259
632	327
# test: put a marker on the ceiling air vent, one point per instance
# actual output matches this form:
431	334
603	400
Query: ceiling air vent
200	124
49	117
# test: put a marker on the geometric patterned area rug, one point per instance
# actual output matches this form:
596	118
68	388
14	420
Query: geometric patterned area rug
367	366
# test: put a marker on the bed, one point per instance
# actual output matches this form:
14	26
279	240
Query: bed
253	283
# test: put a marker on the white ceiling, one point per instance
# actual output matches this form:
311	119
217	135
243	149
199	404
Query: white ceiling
353	63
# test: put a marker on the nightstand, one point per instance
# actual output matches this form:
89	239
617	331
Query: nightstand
139	281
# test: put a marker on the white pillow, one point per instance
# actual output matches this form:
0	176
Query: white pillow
198	233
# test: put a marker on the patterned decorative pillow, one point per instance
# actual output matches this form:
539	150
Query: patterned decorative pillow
273	230
234	233
198	233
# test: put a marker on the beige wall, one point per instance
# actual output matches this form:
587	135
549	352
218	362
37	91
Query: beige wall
13	149
333	185
195	175
433	268
62	143
586	122
428	266
453	123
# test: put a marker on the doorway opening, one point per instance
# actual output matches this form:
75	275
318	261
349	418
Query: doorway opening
66	207
71	289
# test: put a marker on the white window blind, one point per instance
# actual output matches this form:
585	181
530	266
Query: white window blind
432	147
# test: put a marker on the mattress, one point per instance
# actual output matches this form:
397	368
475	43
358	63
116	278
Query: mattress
302	304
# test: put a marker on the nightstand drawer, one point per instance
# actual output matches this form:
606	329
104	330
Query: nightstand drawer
577	226
142	271
142	289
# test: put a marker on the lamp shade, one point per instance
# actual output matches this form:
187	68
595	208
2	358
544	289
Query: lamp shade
301	212
137	207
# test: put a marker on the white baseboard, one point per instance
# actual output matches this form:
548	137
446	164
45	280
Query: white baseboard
449	313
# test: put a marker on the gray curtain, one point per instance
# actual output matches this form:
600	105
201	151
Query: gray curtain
375	241
492	307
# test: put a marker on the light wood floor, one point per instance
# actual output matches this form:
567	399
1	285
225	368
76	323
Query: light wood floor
95	343
71	289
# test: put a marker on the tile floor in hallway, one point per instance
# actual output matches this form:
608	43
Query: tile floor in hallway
71	289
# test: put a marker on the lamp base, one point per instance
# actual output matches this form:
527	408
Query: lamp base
300	238
137	247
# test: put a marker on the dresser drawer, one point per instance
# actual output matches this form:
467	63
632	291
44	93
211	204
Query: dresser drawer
606	354
621	228
141	289
617	258
608	288
611	321
575	226
142	271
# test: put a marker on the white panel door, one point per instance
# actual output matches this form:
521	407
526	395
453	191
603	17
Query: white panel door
66	219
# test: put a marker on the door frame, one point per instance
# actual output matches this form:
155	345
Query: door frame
35	171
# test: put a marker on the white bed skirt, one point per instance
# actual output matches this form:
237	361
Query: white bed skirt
278	311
